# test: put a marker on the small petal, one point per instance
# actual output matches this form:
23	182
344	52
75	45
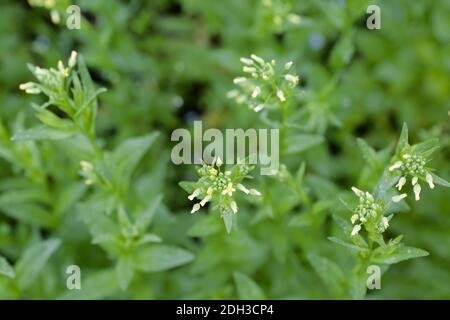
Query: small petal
233	206
243	188
249	69
73	59
291	78
219	162
258	108
194	194
257	59
205	200
385	222
369	196
399	197
401	183
417	189
396	165
358	192
356	229
239	80
414	180
256	92
354	218
232	94
280	95
247	61
255	192
429	179
288	65
195	208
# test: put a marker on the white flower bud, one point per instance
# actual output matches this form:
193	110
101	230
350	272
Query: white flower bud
429	179
356	229
401	183
259	107
233	206
257	59
205	200
417	190
255	192
291	78
396	165
281	96
414	180
194	194
354	218
73	59
256	92
399	197
288	65
247	61
249	69
195	208
358	192
243	188
239	80
294	19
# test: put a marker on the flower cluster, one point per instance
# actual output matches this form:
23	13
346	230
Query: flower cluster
265	86
369	213
51	81
280	13
50	5
218	185
412	165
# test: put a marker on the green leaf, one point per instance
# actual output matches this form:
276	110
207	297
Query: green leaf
187	186
330	274
128	154
368	153
124	271
403	140
247	289
440	181
302	142
400	254
206	226
52	120
30	213
349	245
33	261
88	101
86	79
161	257
227	217
144	219
6	269
427	147
42	133
99	285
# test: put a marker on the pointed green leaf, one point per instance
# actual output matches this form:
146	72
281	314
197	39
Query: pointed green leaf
440	181
400	254
247	289
43	133
161	257
33	261
124	271
403	140
6	269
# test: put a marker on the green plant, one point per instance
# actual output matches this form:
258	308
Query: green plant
90	182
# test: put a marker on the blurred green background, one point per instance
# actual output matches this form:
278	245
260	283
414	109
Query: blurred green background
167	63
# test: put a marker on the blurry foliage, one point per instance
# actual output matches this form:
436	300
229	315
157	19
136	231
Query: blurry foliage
166	63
